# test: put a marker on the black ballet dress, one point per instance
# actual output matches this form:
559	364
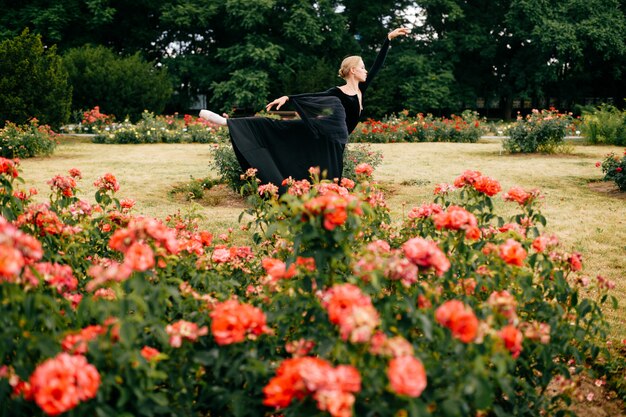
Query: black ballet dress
279	149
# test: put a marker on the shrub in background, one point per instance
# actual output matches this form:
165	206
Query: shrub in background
33	82
94	121
26	141
604	125
540	131
614	169
124	86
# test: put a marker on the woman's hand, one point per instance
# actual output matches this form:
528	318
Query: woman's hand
279	102
398	32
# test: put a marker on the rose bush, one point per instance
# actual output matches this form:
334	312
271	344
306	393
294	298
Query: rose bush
331	309
614	169
540	131
27	141
94	121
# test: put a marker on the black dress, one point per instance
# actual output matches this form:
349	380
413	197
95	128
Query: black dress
288	148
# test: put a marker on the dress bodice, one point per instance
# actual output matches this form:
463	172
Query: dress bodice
349	102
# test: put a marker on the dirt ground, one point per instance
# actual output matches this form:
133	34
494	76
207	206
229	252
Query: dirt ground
608	188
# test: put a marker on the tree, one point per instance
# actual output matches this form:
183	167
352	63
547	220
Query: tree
255	50
238	52
33	82
125	26
123	86
527	49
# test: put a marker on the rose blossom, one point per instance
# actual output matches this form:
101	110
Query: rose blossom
454	218
77	342
233	321
277	269
518	195
9	167
512	252
352	311
466	178
575	261
347	183
407	376
364	168
425	210
425	253
332	388
65	185
220	255
61	383
139	257
184	330
512	339
149	353
503	302
268	189
299	348
107	182
459	318
487	185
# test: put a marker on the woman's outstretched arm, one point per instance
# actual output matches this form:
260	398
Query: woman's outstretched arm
382	54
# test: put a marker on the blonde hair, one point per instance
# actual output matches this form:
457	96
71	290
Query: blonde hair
347	64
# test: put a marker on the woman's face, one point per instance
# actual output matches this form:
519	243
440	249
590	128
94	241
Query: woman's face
360	73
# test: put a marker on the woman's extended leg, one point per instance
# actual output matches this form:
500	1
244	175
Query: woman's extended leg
213	117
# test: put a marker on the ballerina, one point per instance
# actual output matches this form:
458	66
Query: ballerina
279	149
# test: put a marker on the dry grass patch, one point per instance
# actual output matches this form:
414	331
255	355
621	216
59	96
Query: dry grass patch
588	216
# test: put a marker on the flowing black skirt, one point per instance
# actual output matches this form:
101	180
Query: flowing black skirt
279	149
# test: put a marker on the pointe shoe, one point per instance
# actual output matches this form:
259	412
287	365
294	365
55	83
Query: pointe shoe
212	117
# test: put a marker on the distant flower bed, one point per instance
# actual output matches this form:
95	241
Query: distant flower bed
26	141
421	128
159	129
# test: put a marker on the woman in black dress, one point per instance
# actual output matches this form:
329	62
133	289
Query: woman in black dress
279	149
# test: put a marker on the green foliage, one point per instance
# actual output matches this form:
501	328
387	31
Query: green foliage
326	276
124	86
26	141
194	189
614	169
412	81
500	49
529	49
224	161
541	131
604	125
33	82
126	26
355	155
246	88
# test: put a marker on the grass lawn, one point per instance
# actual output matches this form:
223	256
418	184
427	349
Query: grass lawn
588	216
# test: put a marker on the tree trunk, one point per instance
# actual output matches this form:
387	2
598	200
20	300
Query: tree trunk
507	103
